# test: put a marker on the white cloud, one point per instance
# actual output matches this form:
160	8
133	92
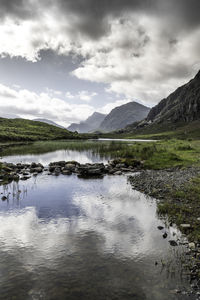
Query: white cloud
141	56
86	96
30	105
82	95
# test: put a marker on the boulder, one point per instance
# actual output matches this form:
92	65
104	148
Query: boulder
66	172
70	166
91	169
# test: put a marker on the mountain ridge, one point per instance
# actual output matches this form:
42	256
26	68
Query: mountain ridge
47	121
89	125
122	115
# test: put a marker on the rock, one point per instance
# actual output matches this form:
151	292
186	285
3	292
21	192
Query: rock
36	170
118	173
119	166
66	172
173	243
70	166
25	177
126	169
33	165
191	245
185	225
16	177
160	227
57	171
6	169
25	173
51	168
58	163
91	169
39	169
165	235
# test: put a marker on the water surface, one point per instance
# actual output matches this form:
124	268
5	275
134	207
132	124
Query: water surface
70	238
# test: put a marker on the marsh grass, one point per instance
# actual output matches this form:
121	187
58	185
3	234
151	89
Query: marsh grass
155	155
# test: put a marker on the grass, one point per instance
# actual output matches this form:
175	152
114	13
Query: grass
182	207
26	130
166	131
155	155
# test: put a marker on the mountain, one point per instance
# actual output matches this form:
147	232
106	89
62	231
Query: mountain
178	115
91	124
123	115
27	130
48	122
183	105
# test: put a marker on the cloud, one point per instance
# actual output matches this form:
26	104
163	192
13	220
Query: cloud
140	49
29	105
82	95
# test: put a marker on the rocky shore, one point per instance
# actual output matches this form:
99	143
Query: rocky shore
164	185
160	183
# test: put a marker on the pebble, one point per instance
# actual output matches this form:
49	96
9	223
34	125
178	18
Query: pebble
191	245
185	225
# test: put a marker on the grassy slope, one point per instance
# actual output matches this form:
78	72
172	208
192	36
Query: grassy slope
161	131
26	130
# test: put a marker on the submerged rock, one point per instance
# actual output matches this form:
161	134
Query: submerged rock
160	227
173	243
165	235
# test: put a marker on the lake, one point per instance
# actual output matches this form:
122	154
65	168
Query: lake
70	238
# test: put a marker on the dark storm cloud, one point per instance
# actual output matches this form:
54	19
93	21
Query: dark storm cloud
23	9
92	16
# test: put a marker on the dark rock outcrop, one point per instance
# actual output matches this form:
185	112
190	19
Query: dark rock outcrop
183	105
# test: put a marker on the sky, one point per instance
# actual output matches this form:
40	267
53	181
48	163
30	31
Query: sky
62	60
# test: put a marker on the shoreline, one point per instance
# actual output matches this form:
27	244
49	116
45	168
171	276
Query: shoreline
177	202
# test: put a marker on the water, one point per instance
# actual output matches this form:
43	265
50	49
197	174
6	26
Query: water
127	140
69	238
49	151
59	155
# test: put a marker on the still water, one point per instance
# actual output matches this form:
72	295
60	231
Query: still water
70	238
59	155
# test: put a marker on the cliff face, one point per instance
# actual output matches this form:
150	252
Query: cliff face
183	105
123	115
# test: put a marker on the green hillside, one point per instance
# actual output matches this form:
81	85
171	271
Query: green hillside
26	130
